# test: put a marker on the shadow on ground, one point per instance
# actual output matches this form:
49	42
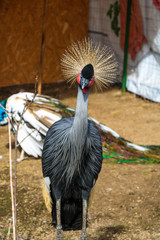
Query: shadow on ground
108	233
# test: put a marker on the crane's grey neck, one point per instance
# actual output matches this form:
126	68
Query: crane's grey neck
80	124
78	133
81	114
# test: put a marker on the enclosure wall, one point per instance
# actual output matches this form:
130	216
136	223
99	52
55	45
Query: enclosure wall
21	31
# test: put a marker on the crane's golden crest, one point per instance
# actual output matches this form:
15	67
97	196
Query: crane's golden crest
79	54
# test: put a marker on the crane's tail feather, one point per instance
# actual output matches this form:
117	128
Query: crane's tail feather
71	214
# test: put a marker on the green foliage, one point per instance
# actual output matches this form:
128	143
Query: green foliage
119	158
5	231
113	14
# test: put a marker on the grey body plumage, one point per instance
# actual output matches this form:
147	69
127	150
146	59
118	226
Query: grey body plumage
72	148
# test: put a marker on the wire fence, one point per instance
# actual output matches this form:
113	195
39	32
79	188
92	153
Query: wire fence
107	25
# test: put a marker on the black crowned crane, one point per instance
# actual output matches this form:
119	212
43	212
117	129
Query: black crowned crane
72	152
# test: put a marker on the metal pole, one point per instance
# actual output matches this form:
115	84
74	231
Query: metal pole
124	77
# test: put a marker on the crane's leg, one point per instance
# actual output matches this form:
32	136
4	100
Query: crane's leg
84	223
59	225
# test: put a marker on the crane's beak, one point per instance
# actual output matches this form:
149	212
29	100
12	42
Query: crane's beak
84	82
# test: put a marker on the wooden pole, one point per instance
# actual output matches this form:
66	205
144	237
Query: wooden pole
42	48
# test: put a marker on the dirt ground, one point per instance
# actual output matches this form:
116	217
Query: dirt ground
126	200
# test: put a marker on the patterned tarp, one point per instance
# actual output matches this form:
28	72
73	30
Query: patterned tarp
144	66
